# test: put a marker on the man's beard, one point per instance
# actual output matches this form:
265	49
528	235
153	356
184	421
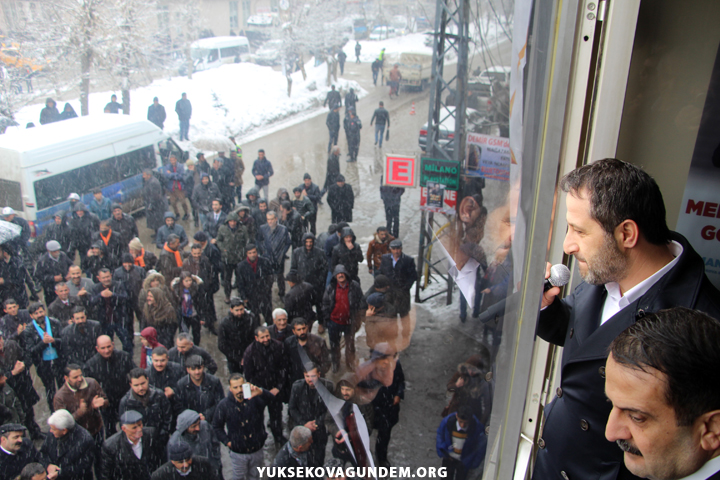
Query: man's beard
626	447
609	264
303	336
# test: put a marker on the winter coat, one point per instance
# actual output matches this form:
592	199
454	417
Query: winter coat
352	126
79	341
11	409
177	357
236	334
255	286
211	226
114	247
332	171
275	244
341	56
202	469
333	121
47	268
12	465
92	264
262	167
155	410
203	400
33	345
402	276
74	454
203	195
117	304
50	113
265	366
62	312
68	112
114	107
118	462
125	228
69	400
287	457
574	323
312	193
316	350
386	413
61	233
174	177
167	378
183	108
380	117
111	374
282	196
156	114
342	255
164	232
299	301
294	223
254	191
333	99
232	242
102	209
355	296
204	443
350	100
247	221
167	265
341	201
391	195
81	229
473	451
14	275
306	404
206	270
9	325
155	203
304	207
279	335
311	265
22	383
376	249
242	423
133	280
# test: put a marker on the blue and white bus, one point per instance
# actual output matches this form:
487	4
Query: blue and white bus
40	167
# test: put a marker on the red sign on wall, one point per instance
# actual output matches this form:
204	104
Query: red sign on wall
449	202
400	170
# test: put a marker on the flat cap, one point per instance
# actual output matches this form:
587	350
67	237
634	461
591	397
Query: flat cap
12	427
396	244
52	246
130	417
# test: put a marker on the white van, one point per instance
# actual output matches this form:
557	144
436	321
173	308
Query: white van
41	166
215	51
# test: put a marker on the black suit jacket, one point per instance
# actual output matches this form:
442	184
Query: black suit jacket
120	463
573	438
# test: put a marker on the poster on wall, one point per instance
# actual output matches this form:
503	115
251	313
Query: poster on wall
487	156
699	219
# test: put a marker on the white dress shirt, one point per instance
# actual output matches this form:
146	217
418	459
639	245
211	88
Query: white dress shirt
137	448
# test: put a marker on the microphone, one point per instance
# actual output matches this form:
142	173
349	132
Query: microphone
559	276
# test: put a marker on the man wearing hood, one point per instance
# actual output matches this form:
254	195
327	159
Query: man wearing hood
299	299
184	465
170	228
314	347
60	231
231	240
348	254
82	225
341	200
50	113
275	243
155	202
98	258
239	423
123	225
346	389
308	409
311	265
68	112
80	337
342	305
170	261
262	170
14	275
291	220
246	220
200	435
111	239
148	401
275	203
203	195
251	197
51	268
236	333
378	246
264	363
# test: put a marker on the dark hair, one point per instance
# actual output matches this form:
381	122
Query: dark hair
136	373
194	361
235	376
10	301
160	350
216	200
104	270
70	367
79	309
307	366
34	307
381	229
464	413
172	237
31	470
196	246
286	205
297	189
236	302
619	191
250	246
682	344
260	329
298	321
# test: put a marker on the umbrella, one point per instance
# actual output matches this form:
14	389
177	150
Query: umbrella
215	143
8	231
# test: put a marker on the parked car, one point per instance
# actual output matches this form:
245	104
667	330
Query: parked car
269	53
382	32
494	73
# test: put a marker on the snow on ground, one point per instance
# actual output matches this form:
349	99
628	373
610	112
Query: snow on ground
236	99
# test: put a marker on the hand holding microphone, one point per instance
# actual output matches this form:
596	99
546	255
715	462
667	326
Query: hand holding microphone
556	276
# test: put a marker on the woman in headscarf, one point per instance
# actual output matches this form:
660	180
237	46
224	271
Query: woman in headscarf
148	337
186	291
160	313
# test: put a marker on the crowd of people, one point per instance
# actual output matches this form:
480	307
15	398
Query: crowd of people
116	418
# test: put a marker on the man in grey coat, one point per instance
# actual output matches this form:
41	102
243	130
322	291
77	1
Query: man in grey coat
199	434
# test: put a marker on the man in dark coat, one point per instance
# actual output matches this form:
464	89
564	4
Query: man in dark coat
80	337
150	402
60	230
113	241
386	404
401	271
299	299
348	254
14	276
156	113
170	261
352	125
184	349
215	218
51	268
183	465
235	333
82	225
381	117
171	227
99	258
264	364
16	451
122	225
49	114
113	106
310	263
274	246
333	98
231	241
293	221
314	347
351	99
62	307
279	329
239	424
341	200
391	197
198	263
202	196
155	202
200	435
262	170
18	377
295	452
165	375
255	277
119	460
131	276
109	305
110	368
333	124
342	306
42	343
183	108
342	56
223	177
632	264
199	390
307	408
332	169
68	448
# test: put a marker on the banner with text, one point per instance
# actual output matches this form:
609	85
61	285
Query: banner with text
487	156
